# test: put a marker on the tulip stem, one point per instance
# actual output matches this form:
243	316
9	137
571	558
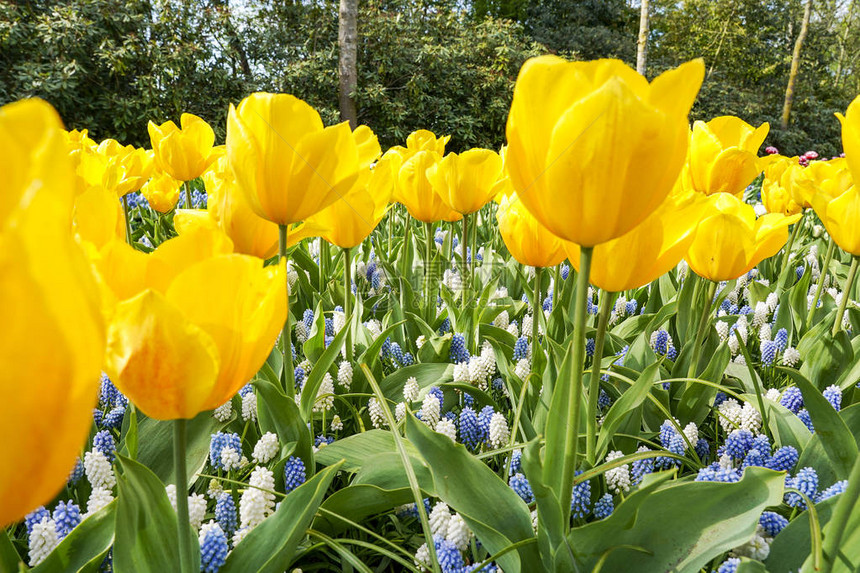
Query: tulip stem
188	204
128	237
288	376
428	273
703	327
606	301
791	239
347	302
535	331
846	292
463	247
556	278
831	247
186	558
574	395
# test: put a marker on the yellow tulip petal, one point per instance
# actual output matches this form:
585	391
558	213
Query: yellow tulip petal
731	172
242	306
164	364
676	89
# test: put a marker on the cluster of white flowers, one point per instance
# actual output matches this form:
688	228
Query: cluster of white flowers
617	479
451	279
514	330
411	389
527	326
449	526
400	411
374	327
98	470
691	432
620	310
266	448
733	416
292	275
338	320
255	505
758	547
523	368
336	424
249	407
499	432
223	412
99	498
790	357
231	459
419	342
502	320
301	332
761	314
215	489
447	428
764	332
196	509
773	395
325	395
431	409
43	539
344	374
377	416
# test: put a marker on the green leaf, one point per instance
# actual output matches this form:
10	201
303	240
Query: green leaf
155	449
431	374
716	517
628	402
279	414
825	358
793	545
492	510
695	402
356	449
9	558
146	524
91	538
318	372
838	442
270	546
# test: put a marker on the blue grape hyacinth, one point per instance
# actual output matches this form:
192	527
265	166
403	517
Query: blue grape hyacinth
294	473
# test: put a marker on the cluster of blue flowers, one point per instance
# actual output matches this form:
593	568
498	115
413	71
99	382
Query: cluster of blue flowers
458	352
221	441
112	405
294	473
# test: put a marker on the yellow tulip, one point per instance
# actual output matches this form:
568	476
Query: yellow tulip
723	155
593	149
851	136
730	240
162	192
421	140
53	336
839	216
779	191
183	153
197	328
417	194
466	181
347	222
286	163
650	250
529	242
826	178
98	217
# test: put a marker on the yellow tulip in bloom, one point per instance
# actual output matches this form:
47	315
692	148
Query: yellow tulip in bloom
593	149
829	187
162	192
723	155
418	195
529	242
650	250
779	190
421	140
286	163
347	222
730	240
467	181
98	217
183	153
53	336
197	330
851	136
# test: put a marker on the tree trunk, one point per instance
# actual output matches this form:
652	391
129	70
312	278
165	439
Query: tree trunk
795	64
842	43
642	45
347	61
